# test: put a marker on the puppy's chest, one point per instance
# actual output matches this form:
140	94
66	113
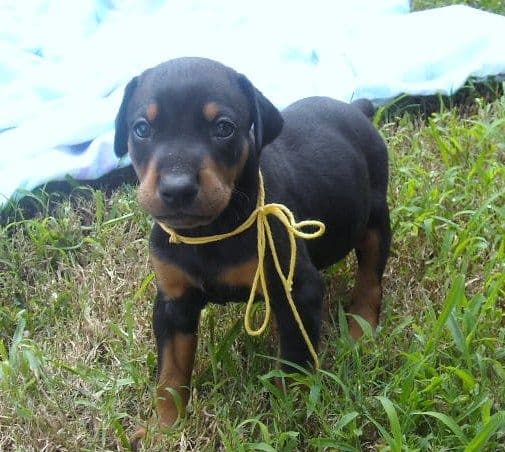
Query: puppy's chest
220	280
232	282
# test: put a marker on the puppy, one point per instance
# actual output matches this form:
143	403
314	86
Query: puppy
198	134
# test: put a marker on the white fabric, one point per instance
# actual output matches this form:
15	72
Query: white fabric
64	64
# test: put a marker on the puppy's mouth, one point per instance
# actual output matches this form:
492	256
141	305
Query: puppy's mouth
184	220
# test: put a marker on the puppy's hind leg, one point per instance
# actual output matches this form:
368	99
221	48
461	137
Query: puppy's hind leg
372	253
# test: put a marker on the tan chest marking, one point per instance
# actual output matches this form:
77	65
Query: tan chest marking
241	275
171	280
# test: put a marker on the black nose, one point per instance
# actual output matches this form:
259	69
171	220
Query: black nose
177	190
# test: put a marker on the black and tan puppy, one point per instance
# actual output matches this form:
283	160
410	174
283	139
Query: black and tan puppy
198	133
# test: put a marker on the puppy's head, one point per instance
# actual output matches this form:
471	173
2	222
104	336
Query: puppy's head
186	125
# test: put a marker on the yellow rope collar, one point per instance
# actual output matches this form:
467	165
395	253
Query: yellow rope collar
294	230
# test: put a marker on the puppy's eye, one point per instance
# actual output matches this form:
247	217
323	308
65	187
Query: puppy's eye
142	129
224	128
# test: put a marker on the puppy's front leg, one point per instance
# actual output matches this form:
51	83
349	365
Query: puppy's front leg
175	327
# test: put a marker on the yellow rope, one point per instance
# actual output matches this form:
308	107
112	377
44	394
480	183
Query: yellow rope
294	230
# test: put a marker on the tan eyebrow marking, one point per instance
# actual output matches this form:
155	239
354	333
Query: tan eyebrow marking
152	111
210	111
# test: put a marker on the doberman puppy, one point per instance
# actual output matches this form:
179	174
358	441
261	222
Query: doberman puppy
198	133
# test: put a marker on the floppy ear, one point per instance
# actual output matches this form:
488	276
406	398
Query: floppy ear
121	135
267	120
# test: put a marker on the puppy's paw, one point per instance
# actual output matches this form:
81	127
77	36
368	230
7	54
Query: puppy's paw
151	436
137	438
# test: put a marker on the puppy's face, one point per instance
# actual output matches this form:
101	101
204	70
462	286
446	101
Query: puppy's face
186	125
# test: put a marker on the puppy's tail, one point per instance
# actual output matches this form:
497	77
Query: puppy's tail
365	106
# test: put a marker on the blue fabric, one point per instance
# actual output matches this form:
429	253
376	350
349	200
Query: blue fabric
63	65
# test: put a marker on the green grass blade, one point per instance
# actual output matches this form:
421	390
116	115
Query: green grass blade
342	322
344	420
262	446
496	422
389	439
393	422
468	381
337	380
456	293
364	325
177	399
448	421
457	334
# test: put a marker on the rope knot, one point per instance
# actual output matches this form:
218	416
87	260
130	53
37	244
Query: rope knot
173	238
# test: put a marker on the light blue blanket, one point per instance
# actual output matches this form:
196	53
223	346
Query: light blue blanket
63	64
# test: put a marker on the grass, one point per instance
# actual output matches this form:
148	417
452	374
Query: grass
495	6
77	359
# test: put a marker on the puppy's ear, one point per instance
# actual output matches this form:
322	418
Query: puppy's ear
267	120
121	135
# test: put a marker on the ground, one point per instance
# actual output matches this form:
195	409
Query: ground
77	360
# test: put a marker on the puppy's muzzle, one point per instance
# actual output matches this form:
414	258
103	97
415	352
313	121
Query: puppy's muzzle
178	190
